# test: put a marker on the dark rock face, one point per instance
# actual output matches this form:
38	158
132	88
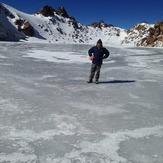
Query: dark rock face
25	27
28	29
100	24
73	22
62	12
46	11
49	11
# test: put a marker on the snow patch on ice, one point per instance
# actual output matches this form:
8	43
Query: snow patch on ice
66	123
2	81
7	106
103	150
16	157
99	110
107	149
60	57
139	51
2	57
133	96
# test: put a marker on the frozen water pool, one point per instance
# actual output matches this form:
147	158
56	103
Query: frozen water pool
49	114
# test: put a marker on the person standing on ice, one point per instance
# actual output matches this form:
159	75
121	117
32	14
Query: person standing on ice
97	54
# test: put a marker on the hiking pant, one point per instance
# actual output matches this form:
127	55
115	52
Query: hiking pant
95	70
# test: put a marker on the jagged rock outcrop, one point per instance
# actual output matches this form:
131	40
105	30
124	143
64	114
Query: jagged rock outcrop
62	12
100	24
46	11
155	36
28	29
49	11
25	27
137	33
73	22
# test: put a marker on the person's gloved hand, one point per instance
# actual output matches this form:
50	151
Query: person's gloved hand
91	57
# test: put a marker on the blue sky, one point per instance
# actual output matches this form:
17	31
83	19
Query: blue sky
120	13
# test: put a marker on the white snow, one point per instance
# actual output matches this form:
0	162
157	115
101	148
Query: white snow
60	57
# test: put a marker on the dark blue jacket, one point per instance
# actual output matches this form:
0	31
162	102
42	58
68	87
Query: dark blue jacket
99	54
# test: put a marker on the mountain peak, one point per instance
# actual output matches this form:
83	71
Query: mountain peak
49	11
62	12
100	24
46	11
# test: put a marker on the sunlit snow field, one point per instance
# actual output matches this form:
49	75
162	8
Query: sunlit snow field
49	114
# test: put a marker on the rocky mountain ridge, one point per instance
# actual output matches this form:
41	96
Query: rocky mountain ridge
58	26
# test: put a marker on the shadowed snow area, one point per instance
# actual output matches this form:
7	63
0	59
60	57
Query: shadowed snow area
49	114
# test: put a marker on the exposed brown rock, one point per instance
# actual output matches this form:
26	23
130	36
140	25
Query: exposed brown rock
46	11
140	27
25	27
160	38
73	22
100	24
26	24
155	35
151	32
62	12
29	31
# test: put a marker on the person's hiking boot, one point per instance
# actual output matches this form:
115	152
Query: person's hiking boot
97	82
89	81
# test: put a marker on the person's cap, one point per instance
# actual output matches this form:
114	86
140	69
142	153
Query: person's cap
99	41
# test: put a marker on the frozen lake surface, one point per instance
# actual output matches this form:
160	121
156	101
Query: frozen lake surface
49	114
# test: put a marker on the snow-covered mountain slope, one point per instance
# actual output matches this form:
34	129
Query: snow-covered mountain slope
61	29
137	32
8	30
57	26
144	34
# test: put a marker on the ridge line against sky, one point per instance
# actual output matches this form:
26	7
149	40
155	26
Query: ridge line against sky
123	14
